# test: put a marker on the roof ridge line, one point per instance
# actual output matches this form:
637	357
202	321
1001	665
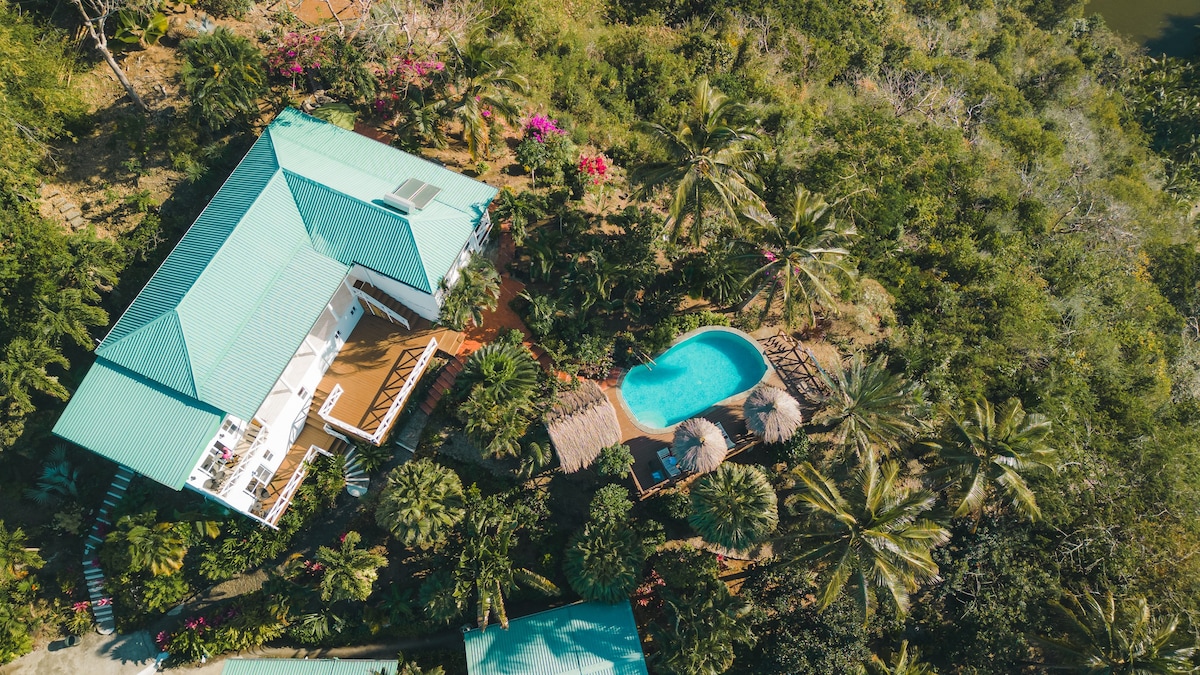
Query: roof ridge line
185	234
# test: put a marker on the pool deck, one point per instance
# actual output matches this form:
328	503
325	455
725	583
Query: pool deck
645	444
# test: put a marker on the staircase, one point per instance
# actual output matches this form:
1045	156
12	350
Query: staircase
442	385
414	322
101	602
356	474
248	439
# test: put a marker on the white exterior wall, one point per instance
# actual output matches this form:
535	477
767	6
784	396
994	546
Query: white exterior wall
420	302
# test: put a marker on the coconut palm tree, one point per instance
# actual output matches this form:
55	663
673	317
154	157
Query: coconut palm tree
484	569
500	372
989	450
16	556
699	445
484	82
707	158
772	414
604	562
801	254
421	504
868	407
477	291
23	372
350	572
1103	638
158	547
734	507
875	536
904	662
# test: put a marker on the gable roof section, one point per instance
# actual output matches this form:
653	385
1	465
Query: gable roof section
586	638
364	170
352	231
139	423
239	666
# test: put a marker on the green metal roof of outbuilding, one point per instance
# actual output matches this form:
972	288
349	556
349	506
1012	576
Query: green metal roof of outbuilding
222	317
586	638
236	666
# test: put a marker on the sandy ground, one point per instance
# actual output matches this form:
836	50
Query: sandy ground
95	655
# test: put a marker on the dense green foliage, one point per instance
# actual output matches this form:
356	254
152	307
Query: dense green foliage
1005	214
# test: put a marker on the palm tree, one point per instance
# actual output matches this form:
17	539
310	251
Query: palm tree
16	557
484	82
803	253
868	407
874	537
700	633
706	157
519	210
1104	639
495	427
991	449
224	76
158	547
350	572
23	373
484	569
477	291
903	662
501	372
604	562
734	507
421	504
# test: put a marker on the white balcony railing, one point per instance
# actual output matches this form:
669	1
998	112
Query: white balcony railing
382	308
293	484
244	462
375	438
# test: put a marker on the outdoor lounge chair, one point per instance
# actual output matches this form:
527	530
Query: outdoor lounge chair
669	462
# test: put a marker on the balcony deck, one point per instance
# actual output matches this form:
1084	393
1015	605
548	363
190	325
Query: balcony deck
313	434
372	367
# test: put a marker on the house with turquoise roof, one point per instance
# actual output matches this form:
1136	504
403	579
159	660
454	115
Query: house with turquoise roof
292	319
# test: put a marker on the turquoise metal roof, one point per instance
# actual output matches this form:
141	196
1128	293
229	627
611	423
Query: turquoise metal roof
581	639
139	423
236	666
224	314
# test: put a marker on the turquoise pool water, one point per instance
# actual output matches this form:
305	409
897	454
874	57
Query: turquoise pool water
691	377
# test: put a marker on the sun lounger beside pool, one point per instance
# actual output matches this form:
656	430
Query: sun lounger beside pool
728	441
669	462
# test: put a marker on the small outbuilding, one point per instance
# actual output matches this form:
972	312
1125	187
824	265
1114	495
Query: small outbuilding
236	666
586	638
581	424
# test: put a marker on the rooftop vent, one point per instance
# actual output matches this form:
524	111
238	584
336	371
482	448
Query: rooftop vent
412	195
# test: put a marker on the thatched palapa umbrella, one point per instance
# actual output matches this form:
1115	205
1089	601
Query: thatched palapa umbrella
772	414
699	445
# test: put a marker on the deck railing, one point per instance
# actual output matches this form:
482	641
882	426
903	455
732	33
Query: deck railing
380	307
326	411
244	461
293	484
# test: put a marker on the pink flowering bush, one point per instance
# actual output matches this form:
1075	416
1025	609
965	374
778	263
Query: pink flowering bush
297	55
540	128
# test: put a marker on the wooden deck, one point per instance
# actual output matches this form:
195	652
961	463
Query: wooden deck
312	434
645	445
372	367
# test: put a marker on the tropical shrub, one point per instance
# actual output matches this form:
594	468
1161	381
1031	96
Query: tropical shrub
224	76
615	460
545	150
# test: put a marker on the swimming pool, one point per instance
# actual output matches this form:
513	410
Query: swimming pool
691	377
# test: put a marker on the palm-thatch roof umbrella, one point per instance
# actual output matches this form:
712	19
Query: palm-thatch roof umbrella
699	445
772	414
